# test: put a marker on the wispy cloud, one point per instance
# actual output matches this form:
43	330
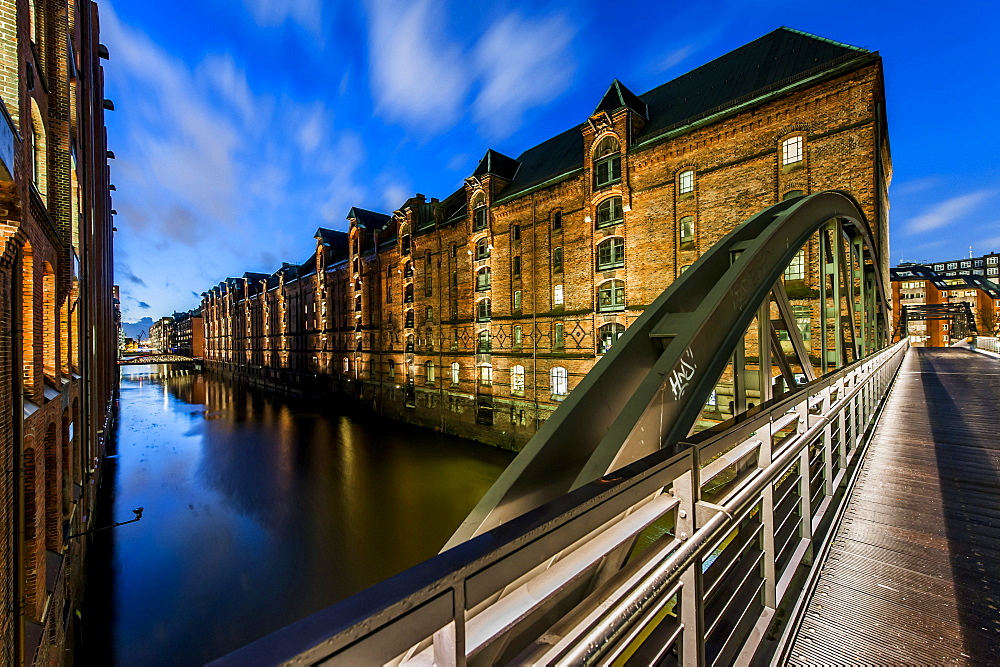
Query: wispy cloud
123	272
948	212
675	57
522	63
144	305
269	13
915	186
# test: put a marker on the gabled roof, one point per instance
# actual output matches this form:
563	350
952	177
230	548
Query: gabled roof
498	164
368	219
775	61
619	96
335	240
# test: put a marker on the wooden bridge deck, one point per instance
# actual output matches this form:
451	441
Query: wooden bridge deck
913	574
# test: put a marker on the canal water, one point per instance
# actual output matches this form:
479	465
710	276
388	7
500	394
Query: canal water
257	510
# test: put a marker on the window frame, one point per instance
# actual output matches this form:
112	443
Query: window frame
613	288
686	241
793	150
685	182
484	310
607	162
559	381
609	205
484	279
615	246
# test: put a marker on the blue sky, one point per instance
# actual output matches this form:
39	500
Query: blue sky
243	125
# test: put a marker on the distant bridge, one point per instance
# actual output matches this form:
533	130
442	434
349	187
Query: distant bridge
156	359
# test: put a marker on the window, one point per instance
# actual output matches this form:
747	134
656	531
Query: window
517	299
410	343
485	375
483	279
408	293
483	310
429	372
408	270
479	217
517	380
429	313
392	370
791	150
607	335
611	295
454	250
454	339
609	212
607	162
515	232
966	265
518	335
683	269
428	276
557	220
482	249
557	295
558	336
409	319
952	265
803	320
992	259
559	381
792	194
455	373
404	244
611	253
484	343
388	285
517	266
687	232
357	305
797	267
347	365
685	182
557	256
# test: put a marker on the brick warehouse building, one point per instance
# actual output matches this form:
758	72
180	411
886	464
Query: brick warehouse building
58	337
476	314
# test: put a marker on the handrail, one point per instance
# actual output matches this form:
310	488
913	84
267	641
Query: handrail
449	596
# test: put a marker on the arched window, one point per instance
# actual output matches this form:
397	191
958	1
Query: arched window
558	336
483	279
456	370
410	343
685	182
686	227
611	253
408	293
607	162
482	249
518	298
485	342
557	259
611	295
409	319
486	375
556	220
609	212
559	381
607	335
517	380
518	336
408	270
38	152
792	150
483	310
429	372
404	240
479	210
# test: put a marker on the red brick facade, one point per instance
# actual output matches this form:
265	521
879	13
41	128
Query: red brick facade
57	331
519	284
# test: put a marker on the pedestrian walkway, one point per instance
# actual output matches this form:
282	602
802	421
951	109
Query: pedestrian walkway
913	573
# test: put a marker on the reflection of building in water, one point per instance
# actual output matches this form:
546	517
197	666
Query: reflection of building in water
58	317
479	312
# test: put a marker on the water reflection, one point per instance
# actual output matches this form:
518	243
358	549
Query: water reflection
260	511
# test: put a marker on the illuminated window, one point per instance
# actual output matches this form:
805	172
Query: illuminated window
392	370
797	268
517	299
557	295
791	150
609	212
687	232
517	380
486	375
607	162
429	372
518	335
559	381
611	253
347	365
685	182
483	279
485	342
455	373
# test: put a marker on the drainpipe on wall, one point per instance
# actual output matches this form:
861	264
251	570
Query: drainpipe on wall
17	422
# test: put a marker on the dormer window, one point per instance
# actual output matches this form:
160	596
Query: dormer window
479	213
607	162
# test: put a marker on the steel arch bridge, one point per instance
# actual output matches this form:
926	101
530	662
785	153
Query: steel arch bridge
156	359
661	513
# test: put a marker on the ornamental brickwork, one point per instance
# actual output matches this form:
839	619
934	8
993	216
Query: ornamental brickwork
477	313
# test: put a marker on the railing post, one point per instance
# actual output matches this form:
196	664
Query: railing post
687	489
764	458
449	641
828	439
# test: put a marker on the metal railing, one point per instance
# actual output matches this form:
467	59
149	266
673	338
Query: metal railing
687	553
988	344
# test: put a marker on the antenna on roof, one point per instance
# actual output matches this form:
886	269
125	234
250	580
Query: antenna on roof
970	252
